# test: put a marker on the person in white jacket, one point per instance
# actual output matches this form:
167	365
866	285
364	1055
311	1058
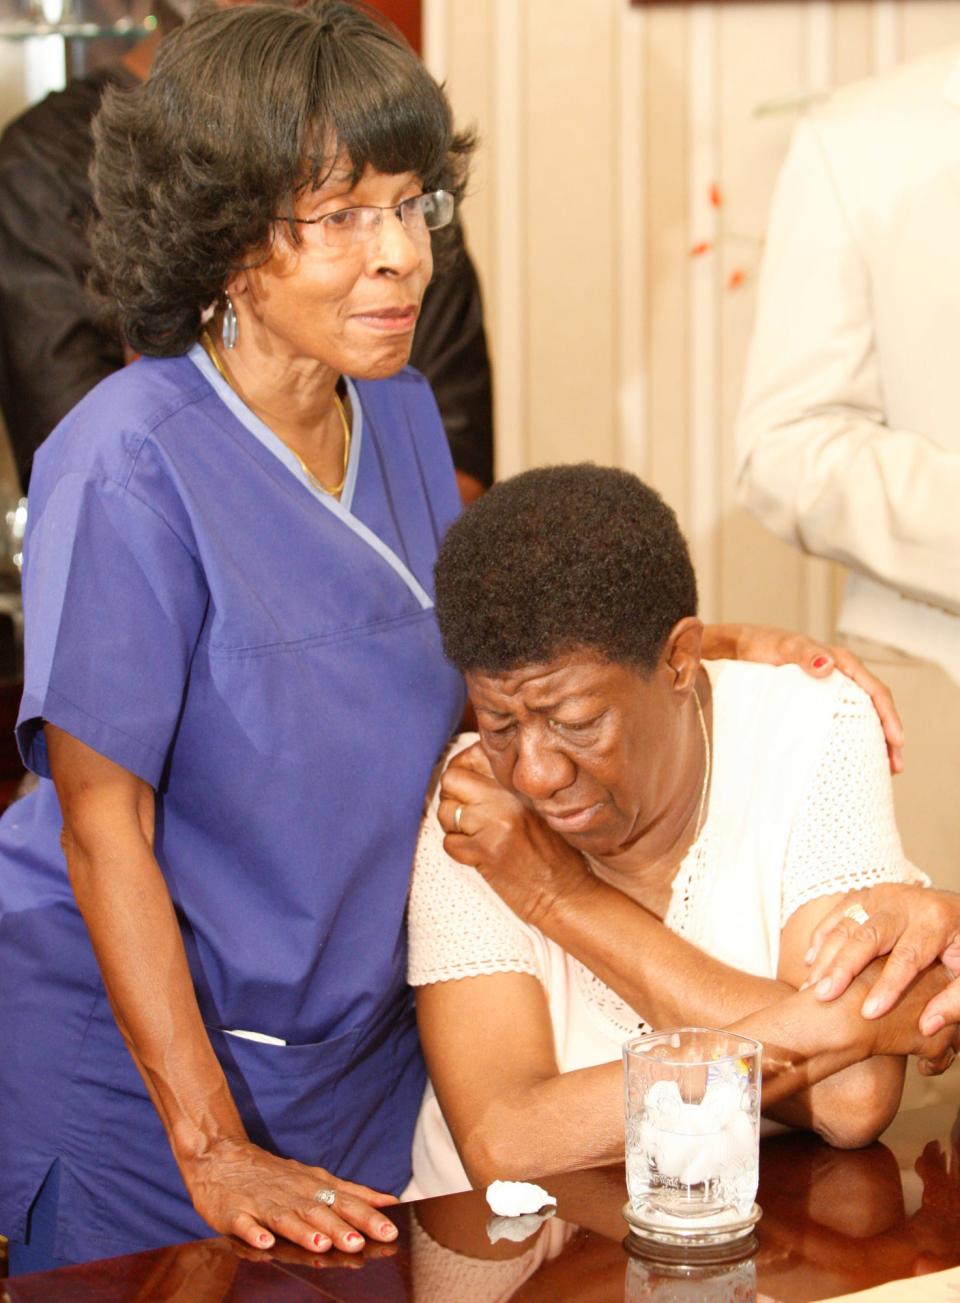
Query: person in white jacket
849	434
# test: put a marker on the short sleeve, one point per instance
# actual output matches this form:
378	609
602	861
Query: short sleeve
457	925
113	605
845	835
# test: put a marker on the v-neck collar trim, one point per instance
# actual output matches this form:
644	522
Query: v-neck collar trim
261	431
342	509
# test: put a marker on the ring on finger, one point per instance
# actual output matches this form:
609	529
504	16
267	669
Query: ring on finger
326	1195
457	817
857	913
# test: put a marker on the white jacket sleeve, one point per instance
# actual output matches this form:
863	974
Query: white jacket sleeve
817	464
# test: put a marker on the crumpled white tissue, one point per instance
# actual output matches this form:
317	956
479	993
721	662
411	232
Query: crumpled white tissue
515	1198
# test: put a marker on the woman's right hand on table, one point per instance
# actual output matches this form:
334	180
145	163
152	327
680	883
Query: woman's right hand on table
245	1191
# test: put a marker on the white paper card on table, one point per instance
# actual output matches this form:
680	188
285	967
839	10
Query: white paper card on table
940	1287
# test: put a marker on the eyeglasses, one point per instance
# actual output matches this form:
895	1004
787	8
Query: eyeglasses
419	214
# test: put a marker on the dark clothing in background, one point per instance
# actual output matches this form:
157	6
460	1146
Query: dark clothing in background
51	353
450	349
51	350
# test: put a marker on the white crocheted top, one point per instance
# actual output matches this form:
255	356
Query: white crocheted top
800	807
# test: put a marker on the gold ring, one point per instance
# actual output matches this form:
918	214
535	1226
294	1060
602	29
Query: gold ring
457	816
857	913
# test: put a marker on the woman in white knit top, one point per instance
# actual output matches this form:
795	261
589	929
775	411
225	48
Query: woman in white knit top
655	840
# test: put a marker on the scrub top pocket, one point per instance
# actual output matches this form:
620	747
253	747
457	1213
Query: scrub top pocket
294	1089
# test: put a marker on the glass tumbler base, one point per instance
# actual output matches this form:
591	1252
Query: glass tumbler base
671	1242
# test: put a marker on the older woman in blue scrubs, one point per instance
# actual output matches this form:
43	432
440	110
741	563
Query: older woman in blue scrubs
233	673
234	677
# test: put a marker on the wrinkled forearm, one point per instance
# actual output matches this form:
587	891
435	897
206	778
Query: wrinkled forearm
850	1108
125	904
676	983
574	1119
813	1067
821	1074
563	1123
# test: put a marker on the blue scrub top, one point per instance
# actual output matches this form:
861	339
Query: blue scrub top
267	658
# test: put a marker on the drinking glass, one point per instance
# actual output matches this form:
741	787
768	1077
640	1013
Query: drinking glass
692	1100
659	1282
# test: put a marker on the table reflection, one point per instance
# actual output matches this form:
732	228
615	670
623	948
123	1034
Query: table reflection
833	1222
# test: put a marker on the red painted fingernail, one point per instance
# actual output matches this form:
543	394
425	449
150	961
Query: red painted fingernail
353	1238
388	1230
265	1238
819	663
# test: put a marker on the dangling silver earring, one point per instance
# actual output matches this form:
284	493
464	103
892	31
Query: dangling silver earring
231	327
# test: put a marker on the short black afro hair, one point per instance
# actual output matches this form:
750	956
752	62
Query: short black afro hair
558	559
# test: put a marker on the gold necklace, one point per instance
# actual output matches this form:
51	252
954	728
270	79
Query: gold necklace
701	808
334	491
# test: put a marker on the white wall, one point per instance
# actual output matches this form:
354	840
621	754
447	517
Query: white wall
604	126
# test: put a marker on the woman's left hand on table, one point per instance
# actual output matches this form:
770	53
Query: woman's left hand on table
529	865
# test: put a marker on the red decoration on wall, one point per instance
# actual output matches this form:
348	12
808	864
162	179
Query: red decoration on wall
407	16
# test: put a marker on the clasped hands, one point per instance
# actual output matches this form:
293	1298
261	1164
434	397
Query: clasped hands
533	869
917	927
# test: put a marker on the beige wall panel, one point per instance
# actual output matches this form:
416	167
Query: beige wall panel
571	201
594	339
633	444
928	24
468	31
703	94
852	40
887	34
11	81
668	253
762	49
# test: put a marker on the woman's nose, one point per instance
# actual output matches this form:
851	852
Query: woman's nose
394	249
540	770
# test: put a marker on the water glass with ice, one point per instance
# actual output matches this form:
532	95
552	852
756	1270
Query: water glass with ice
692	1098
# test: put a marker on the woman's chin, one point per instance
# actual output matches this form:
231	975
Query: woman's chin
381	363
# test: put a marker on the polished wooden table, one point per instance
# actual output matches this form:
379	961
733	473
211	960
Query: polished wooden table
833	1222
